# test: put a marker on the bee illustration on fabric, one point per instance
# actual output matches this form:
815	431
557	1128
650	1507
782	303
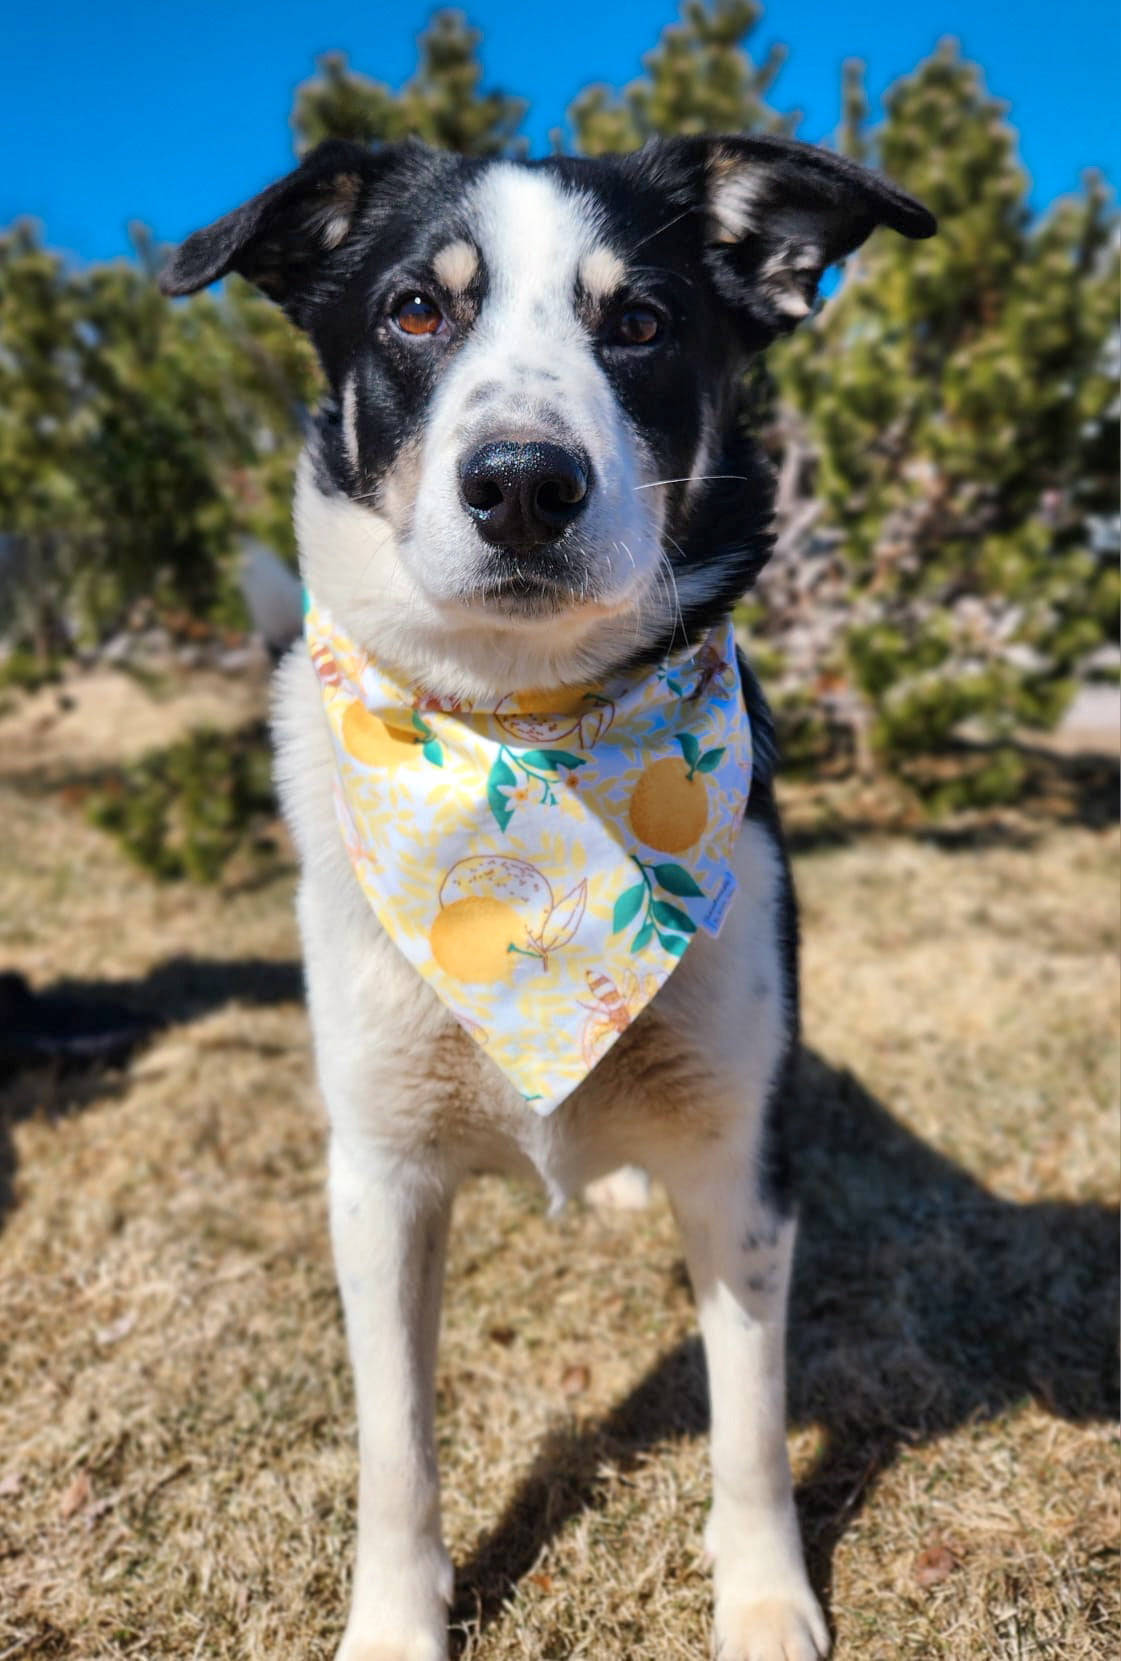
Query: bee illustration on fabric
436	704
612	1010
326	665
711	667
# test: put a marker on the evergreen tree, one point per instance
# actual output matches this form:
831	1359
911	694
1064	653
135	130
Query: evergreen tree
136	439
852	137
441	104
954	416
699	78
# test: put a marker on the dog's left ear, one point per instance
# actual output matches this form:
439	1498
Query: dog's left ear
780	212
283	239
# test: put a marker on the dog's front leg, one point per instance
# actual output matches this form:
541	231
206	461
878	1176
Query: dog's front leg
739	1251
389	1222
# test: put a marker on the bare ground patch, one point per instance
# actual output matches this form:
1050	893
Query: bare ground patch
176	1418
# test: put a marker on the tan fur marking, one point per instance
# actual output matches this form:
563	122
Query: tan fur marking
338	210
601	272
733	195
456	265
400	486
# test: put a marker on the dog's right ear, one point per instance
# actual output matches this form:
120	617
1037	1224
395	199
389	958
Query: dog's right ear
283	239
777	214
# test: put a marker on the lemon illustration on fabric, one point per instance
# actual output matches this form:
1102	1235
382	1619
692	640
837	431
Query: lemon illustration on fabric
383	743
669	807
574	712
495	909
373	742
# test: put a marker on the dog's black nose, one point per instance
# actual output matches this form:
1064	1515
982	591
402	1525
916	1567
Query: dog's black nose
524	495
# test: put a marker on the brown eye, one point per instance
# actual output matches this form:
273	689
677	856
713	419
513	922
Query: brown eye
638	326
417	316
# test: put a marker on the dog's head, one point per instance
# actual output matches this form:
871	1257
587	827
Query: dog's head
528	466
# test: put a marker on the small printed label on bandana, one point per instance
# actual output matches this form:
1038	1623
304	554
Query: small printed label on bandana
713	919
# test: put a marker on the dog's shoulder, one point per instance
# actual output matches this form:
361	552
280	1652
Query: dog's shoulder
302	758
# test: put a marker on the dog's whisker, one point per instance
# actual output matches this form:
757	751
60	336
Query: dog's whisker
663	271
669	224
693	478
665	585
679	619
360	582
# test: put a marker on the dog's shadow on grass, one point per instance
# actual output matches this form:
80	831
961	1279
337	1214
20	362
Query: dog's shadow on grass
65	1047
920	1302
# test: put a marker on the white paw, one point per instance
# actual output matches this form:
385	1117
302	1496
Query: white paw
627	1189
771	1629
400	1608
420	1647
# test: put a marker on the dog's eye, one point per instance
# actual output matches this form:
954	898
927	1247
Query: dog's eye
638	326
416	315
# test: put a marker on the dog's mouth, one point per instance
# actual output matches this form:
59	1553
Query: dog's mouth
521	585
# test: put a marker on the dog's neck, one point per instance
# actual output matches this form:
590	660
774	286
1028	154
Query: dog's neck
349	562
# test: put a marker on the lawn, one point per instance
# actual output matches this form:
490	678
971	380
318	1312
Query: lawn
177	1459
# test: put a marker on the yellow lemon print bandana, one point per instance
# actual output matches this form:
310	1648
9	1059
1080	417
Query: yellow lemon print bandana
544	863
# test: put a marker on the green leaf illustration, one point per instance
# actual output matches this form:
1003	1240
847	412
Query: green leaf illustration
643	938
675	879
550	760
671	917
433	751
627	907
711	760
675	943
690	749
500	777
421	725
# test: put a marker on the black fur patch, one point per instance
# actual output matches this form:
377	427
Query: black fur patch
776	1184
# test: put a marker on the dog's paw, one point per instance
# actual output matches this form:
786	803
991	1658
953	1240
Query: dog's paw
627	1189
422	1647
771	1629
400	1607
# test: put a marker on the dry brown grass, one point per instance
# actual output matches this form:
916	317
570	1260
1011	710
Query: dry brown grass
176	1419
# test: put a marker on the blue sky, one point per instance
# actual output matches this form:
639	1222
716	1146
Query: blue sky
172	114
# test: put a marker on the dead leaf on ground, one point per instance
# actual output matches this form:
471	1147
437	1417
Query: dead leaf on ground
116	1330
575	1380
75	1496
933	1565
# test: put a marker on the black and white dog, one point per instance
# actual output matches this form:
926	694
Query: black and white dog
529	472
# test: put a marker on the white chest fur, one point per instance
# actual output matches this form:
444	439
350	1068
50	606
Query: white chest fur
395	1063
